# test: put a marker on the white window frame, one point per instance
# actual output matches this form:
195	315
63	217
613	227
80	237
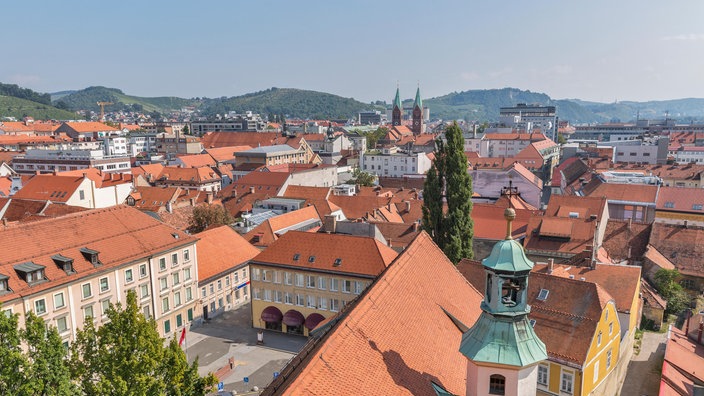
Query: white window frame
83	291
129	279
36	307
567	382
63	301
544	376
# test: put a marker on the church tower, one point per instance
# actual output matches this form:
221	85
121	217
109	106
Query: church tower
502	349
397	112
418	126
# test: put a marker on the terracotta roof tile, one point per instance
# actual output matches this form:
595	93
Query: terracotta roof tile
684	359
620	281
270	230
221	249
489	222
228	153
656	257
358	207
50	187
305	192
676	199
89	126
623	192
360	255
172	174
684	247
120	234
626	241
397	338
197	160
566	321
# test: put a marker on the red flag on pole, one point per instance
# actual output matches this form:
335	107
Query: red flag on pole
183	336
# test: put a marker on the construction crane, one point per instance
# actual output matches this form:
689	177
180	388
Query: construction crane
102	109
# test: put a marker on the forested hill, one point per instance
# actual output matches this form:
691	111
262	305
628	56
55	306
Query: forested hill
16	91
87	99
288	101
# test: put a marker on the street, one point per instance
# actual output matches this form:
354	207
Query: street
230	335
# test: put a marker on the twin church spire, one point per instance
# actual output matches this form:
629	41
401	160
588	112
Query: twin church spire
397	113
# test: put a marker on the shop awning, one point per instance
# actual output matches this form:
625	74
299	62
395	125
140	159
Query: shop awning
293	318
271	315
313	320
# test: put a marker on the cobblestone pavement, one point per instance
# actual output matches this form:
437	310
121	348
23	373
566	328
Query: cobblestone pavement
643	376
231	336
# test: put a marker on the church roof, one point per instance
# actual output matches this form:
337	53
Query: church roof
418	102
508	255
397	100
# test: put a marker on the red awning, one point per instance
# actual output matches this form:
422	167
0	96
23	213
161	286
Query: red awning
293	318
271	315
313	320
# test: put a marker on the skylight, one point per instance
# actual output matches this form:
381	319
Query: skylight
311	259
543	295
296	257
337	262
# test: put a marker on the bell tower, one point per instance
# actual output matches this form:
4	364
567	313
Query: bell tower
397	112
502	349
418	126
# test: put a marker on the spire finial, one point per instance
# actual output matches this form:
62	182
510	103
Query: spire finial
510	213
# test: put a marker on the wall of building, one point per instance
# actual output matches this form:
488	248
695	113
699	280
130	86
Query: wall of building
224	293
320	177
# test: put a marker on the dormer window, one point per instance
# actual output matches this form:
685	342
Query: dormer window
91	255
31	272
4	287
65	263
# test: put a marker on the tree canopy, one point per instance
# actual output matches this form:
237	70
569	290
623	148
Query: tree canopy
666	283
207	216
448	181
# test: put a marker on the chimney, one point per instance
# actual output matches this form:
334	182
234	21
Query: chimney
408	206
416	226
169	207
251	189
233	194
389	243
193	202
685	224
630	221
551	265
701	330
209	197
330	224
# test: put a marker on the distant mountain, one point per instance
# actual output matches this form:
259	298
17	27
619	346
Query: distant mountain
290	102
20	108
87	99
472	105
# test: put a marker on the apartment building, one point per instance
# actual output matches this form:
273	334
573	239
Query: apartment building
72	276
390	162
223	270
304	278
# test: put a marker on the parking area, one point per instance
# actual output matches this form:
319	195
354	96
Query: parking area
230	338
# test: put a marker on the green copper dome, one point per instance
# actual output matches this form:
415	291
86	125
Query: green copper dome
503	341
508	255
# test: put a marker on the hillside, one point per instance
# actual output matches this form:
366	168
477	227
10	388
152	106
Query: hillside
19	108
290	102
483	105
86	99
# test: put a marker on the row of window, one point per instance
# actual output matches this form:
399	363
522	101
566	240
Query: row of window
235	278
179	321
309	281
320	302
566	379
176	279
178	299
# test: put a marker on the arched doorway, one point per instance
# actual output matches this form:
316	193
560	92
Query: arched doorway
272	318
294	322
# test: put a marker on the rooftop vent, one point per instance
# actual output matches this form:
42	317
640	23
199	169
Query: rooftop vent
582	279
571	276
296	257
337	262
311	259
574	215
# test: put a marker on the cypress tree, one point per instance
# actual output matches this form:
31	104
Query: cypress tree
453	230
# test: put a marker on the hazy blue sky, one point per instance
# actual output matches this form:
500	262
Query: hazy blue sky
592	50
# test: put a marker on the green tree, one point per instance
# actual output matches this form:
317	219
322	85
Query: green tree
666	283
452	231
126	356
561	138
48	370
13	363
362	178
185	130
207	216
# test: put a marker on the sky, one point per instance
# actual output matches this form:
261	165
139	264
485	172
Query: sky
594	50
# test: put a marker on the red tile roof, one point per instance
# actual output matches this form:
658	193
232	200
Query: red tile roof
358	207
222	154
172	174
489	222
398	235
266	233
360	255
120	234
625	240
88	126
252	139
221	249
398	337
305	192
197	160
50	187
100	178
626	192
684	247
682	369
262	182
566	321
622	282
677	199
